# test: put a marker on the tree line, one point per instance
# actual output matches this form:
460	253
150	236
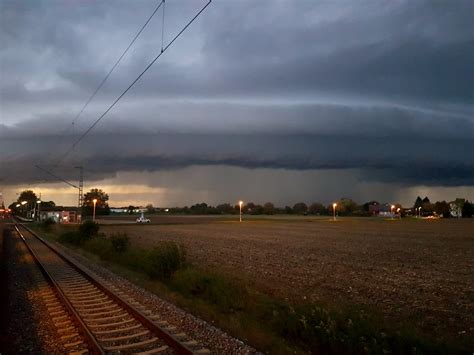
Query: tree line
345	207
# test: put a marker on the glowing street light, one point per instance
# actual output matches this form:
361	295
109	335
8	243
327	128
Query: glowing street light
93	215
38	203
391	210
18	205
419	212
23	203
240	209
399	214
334	205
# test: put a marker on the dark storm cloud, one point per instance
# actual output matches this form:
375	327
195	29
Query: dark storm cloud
393	157
386	88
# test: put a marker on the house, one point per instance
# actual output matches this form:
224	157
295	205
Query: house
382	210
386	211
455	208
61	215
374	209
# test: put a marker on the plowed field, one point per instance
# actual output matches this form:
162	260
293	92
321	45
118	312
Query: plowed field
420	271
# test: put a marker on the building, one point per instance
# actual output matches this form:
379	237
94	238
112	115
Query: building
63	215
381	210
455	208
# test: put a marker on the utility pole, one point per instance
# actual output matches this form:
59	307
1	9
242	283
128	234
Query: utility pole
81	192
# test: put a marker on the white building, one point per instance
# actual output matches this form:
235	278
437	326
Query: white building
455	209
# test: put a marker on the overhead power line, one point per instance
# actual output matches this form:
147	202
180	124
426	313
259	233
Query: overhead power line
162	2
55	176
83	135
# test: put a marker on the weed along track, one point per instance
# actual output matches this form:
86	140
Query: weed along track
92	316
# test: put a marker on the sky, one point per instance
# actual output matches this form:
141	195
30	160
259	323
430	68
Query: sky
269	100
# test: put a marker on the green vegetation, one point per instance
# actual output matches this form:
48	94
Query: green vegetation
268	324
85	232
47	224
120	242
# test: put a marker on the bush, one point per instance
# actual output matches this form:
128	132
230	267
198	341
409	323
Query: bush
47	224
70	238
120	242
212	288
87	230
101	247
161	262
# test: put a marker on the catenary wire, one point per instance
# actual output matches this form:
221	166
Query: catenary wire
83	135
114	66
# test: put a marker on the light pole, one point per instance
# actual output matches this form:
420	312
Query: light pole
240	210
391	210
93	215
39	204
23	203
334	205
399	214
419	212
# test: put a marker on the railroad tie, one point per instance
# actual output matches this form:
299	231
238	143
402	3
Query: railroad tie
154	351
131	346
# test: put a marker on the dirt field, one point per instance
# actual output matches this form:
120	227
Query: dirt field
419	271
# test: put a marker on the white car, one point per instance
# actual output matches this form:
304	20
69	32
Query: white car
142	219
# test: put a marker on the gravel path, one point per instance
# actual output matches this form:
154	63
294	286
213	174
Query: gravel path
26	325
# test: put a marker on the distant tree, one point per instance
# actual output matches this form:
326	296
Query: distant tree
345	207
30	197
427	208
288	210
442	208
426	200
257	209
467	209
225	208
150	208
202	208
27	195
268	208
131	209
418	202
248	207
317	208
48	205
102	206
300	208
366	206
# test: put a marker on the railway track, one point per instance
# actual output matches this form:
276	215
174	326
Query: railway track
92	316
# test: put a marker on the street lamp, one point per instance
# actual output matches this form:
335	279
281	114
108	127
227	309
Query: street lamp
399	214
240	209
391	210
39	203
419	212
334	205
93	215
23	203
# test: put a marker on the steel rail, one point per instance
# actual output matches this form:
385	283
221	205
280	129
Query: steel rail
90	340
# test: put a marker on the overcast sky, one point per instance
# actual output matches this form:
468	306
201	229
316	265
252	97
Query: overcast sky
281	101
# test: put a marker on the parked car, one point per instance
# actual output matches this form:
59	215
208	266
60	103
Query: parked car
142	219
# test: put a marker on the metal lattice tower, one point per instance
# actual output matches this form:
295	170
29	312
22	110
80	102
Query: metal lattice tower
81	189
